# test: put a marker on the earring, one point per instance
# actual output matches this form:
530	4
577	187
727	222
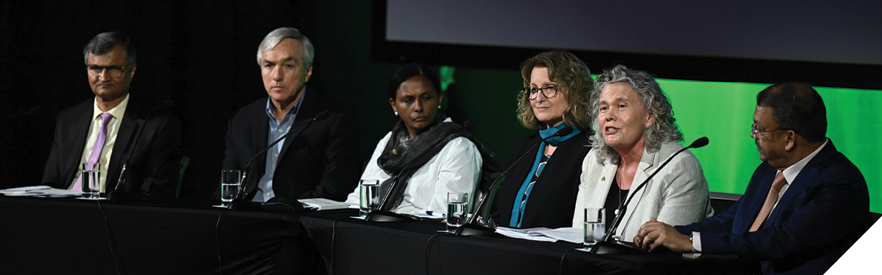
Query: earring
396	113
439	107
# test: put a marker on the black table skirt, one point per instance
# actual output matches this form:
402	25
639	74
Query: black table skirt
56	236
69	236
351	246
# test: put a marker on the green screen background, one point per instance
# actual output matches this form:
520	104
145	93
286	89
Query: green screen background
723	112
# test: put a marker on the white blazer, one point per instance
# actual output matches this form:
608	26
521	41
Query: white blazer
677	195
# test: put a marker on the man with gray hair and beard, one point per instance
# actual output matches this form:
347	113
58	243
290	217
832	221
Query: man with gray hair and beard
317	159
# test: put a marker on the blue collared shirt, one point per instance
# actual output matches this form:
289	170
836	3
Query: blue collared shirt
276	130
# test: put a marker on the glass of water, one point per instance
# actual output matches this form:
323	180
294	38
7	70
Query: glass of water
231	181
457	203
91	184
595	225
368	196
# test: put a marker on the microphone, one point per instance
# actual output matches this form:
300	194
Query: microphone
470	228
30	112
381	215
605	246
241	193
122	174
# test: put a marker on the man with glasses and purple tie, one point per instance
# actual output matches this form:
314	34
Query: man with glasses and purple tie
111	131
805	205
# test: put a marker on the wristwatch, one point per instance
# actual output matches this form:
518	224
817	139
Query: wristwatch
691	242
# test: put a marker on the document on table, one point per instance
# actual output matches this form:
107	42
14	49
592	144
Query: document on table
39	191
323	204
544	234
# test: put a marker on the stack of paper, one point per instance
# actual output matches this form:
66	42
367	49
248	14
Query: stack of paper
39	191
544	234
323	204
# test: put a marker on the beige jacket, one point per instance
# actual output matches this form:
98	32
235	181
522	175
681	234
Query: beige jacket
677	195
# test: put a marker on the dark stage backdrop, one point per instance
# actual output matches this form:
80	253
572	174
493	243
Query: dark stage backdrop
201	54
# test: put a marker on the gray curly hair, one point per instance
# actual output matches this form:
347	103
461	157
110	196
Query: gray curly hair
664	129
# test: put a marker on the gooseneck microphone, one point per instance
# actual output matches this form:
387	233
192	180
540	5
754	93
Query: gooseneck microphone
605	246
140	128
244	183
381	215
470	228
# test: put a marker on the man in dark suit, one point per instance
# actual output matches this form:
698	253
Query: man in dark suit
101	132
318	157
805	205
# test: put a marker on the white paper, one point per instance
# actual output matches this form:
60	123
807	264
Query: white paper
39	191
323	204
428	215
544	234
524	233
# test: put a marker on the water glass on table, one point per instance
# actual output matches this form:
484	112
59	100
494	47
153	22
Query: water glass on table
595	225
231	182
368	197
91	184
457	203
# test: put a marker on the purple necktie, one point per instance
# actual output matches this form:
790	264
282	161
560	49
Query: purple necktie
96	150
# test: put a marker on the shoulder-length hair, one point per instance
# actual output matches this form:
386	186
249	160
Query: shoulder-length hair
664	129
573	79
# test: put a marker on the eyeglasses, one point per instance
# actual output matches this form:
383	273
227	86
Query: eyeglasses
754	132
113	71
548	91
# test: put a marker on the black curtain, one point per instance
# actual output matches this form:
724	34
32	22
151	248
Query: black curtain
201	54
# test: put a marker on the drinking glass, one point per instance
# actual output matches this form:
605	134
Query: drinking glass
368	197
91	184
231	181
595	225
457	203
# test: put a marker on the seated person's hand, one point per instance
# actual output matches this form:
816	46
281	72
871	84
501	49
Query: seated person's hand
654	234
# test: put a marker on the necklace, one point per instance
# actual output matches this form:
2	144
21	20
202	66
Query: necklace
618	182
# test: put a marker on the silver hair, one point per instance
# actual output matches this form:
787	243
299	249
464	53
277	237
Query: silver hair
664	130
276	36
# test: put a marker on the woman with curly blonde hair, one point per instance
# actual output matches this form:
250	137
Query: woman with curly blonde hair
554	101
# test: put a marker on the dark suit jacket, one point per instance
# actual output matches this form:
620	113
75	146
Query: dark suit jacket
822	213
154	165
553	198
317	160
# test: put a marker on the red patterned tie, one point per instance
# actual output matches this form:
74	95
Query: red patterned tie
770	201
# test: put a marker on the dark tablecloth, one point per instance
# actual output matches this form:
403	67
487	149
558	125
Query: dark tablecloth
351	246
69	236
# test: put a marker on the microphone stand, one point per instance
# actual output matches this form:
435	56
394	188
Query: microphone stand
380	215
605	246
239	202
472	228
115	194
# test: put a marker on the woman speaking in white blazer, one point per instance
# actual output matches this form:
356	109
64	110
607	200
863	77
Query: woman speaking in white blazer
634	134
